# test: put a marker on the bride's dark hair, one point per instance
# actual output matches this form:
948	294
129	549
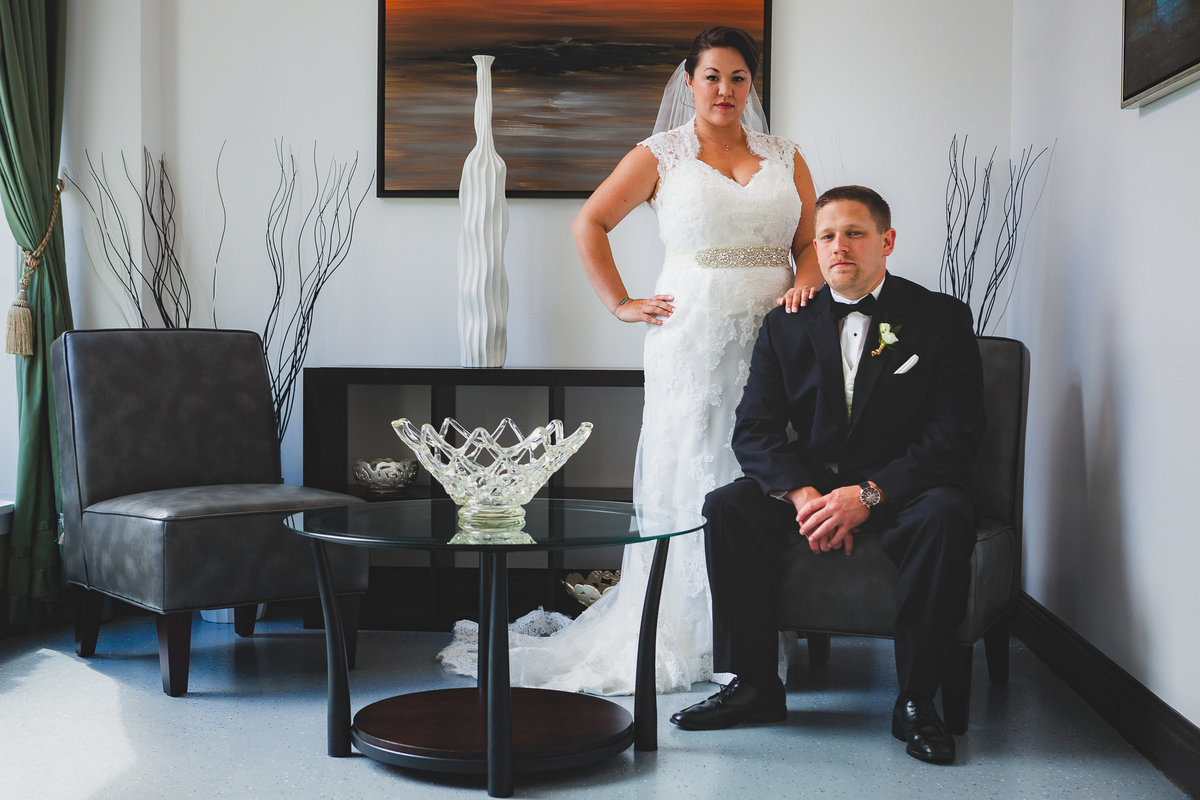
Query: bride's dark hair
723	36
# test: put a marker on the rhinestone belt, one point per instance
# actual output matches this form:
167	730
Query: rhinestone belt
760	256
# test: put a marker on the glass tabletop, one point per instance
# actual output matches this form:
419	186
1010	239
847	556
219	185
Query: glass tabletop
550	524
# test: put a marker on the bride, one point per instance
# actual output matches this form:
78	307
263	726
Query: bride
733	204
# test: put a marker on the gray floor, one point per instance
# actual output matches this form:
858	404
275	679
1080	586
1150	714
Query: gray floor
253	726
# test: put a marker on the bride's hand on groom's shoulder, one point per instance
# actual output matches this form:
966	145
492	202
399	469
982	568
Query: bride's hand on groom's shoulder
796	297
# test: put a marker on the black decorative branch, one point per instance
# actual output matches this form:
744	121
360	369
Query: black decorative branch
164	277
114	233
962	234
221	241
968	201
322	241
168	284
306	253
1006	239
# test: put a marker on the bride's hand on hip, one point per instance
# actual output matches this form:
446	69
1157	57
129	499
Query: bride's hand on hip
795	297
651	310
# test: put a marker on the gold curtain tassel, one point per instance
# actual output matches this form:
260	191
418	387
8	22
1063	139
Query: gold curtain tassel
19	340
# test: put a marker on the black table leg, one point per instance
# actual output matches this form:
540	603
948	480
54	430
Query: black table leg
499	698
485	624
645	698
335	654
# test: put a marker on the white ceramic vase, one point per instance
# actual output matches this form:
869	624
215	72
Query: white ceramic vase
482	283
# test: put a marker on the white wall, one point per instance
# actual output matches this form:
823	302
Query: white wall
103	117
1105	302
873	90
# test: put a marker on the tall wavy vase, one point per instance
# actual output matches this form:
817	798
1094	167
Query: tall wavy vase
483	285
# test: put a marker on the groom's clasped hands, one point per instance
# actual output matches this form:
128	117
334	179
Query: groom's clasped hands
829	521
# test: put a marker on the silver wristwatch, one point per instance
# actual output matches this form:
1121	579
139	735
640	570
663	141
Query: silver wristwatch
868	494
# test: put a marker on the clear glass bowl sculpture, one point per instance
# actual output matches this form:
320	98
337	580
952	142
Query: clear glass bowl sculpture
489	480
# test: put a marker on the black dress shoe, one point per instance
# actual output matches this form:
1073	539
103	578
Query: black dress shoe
916	721
736	703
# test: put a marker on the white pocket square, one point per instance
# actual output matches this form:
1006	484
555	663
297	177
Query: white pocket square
907	365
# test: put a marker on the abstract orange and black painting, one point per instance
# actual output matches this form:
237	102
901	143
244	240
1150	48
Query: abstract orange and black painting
575	84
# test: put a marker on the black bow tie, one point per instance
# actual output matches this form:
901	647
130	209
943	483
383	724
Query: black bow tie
864	306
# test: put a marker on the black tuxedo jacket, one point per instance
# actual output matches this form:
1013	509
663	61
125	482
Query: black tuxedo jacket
906	432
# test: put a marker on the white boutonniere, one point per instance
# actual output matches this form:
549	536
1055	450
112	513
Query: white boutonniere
887	338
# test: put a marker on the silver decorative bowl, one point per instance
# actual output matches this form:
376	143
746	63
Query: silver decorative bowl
590	589
491	475
385	475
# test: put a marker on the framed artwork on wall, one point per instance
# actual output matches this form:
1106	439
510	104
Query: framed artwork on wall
1161	50
575	85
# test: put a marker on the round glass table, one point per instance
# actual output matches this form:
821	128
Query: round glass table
492	729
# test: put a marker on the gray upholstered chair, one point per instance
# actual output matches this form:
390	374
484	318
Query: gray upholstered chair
856	595
173	497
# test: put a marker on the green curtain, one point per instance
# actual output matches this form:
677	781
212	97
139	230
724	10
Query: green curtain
32	58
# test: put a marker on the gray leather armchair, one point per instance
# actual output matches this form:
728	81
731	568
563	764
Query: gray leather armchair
855	596
173	497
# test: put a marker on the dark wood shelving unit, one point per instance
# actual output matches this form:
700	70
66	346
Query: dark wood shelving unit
434	597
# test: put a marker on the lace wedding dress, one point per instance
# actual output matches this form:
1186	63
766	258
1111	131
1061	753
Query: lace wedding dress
727	262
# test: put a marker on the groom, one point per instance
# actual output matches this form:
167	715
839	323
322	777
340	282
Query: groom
880	382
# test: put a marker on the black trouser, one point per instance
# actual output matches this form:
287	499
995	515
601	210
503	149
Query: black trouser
930	540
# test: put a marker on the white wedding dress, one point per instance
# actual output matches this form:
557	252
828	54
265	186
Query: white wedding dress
727	262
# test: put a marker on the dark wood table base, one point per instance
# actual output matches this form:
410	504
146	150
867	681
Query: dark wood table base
492	729
446	730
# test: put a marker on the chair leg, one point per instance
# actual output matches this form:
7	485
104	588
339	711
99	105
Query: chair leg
956	687
995	645
174	650
818	649
88	606
244	618
349	606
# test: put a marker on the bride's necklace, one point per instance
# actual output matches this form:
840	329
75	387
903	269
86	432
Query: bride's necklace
715	142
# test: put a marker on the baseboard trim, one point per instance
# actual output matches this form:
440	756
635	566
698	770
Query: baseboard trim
1157	731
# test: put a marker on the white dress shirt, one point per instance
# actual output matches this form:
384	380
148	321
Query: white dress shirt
854	331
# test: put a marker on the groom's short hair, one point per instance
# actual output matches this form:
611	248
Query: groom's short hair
876	205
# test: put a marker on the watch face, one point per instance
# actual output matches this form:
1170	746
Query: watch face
869	495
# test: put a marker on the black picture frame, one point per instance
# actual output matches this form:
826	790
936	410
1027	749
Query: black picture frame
1160	49
570	97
